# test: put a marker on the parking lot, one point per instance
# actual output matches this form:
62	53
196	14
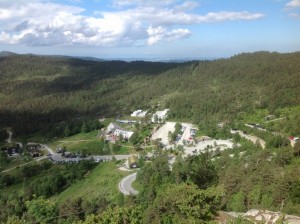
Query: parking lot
186	137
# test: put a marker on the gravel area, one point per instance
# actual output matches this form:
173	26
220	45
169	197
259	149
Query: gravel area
162	133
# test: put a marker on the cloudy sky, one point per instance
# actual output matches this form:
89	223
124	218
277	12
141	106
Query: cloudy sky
149	28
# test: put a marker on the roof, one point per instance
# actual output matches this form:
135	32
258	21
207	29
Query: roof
139	113
162	113
115	126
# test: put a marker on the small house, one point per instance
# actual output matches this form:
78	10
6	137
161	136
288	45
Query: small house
116	130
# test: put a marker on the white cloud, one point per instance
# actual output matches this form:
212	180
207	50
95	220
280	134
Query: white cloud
295	15
293	4
187	6
38	22
223	16
155	34
158	33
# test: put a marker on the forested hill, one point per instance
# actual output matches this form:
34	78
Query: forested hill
37	90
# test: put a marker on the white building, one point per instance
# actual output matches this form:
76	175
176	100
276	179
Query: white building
159	116
139	113
116	130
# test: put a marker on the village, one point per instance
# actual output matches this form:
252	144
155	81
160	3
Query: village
140	132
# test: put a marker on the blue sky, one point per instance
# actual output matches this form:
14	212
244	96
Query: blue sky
149	28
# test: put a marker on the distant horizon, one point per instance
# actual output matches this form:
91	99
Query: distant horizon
149	29
154	59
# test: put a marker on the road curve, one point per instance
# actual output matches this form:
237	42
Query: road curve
125	185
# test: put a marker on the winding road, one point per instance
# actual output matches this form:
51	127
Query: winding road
125	185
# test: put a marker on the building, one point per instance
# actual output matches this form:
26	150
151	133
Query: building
292	138
159	116
139	113
116	130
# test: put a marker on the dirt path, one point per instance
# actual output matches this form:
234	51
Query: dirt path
24	164
252	138
9	137
76	141
277	119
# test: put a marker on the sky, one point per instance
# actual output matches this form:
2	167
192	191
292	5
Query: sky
149	29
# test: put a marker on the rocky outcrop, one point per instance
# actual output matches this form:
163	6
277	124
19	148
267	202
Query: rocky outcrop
264	216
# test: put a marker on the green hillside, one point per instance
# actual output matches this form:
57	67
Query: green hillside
59	100
38	91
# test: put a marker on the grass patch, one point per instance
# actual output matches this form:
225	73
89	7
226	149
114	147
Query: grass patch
257	117
289	111
137	186
82	136
100	182
124	150
92	147
87	142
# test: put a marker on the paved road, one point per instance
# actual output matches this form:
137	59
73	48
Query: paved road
56	157
125	185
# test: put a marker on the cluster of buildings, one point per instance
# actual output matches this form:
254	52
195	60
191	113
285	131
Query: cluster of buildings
33	150
114	130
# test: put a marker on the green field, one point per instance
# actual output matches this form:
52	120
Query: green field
137	186
100	182
91	144
82	142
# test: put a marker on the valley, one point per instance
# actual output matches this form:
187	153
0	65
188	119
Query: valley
150	141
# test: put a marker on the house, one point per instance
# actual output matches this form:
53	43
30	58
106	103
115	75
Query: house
139	113
116	130
292	138
159	116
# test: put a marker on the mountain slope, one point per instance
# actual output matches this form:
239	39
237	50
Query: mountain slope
53	89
